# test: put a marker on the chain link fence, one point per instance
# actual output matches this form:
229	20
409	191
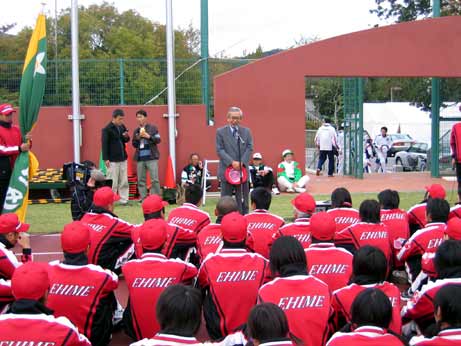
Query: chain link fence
117	81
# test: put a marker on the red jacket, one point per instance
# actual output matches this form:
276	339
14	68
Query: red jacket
344	217
365	336
306	303
417	216
447	337
232	279
8	263
111	245
189	217
84	294
455	211
421	308
146	279
39	330
299	229
168	339
363	233
262	225
455	142
344	297
396	221
426	240
10	141
209	240
330	264
6	296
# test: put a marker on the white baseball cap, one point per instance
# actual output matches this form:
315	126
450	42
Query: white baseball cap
257	156
286	152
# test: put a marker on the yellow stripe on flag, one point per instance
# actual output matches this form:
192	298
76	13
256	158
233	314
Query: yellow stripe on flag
37	35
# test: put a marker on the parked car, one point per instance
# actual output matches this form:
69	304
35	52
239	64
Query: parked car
400	142
414	158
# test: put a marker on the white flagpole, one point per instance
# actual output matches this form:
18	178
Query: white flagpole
171	84
75	82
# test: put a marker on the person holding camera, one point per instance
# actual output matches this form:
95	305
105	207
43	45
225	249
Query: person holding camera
145	140
114	137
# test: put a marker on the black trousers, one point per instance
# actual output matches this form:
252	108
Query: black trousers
3	189
228	189
263	181
458	178
331	160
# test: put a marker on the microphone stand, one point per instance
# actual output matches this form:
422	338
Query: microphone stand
240	141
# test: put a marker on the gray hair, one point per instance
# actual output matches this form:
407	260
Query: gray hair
97	175
234	109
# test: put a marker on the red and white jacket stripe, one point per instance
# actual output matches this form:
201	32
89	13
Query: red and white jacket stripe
364	233
6	296
417	215
209	240
455	211
447	337
189	217
396	221
263	225
306	303
344	217
80	293
299	229
235	274
39	330
344	297
330	264
365	336
146	279
10	141
8	263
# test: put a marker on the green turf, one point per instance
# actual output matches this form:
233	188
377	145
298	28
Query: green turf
50	218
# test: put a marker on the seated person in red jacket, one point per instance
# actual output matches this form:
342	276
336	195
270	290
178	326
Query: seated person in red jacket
231	279
12	232
325	261
447	314
209	239
396	221
189	216
268	325
371	314
304	298
303	208
417	213
369	270
369	231
82	292
425	241
148	276
29	321
262	225
6	296
179	240
421	307
111	245
342	211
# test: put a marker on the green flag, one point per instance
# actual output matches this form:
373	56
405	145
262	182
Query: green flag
30	100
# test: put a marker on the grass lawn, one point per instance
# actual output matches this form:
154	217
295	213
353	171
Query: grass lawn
50	218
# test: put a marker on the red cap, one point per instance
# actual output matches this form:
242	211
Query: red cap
234	227
6	109
10	223
436	191
104	196
30	281
152	234
152	204
453	230
75	238
322	226
304	202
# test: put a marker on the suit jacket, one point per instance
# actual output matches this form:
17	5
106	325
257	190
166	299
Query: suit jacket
227	148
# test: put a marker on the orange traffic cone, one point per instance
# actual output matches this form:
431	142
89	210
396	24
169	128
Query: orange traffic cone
169	176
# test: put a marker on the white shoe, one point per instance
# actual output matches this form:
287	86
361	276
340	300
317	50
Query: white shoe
290	190
300	189
275	191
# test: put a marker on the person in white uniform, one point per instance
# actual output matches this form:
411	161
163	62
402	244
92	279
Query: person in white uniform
383	143
326	140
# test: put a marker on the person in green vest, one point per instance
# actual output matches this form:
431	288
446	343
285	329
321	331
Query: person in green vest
289	176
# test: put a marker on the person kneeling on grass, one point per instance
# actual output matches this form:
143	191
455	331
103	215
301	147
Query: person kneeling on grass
289	175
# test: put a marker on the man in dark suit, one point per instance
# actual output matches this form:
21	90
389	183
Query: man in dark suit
228	139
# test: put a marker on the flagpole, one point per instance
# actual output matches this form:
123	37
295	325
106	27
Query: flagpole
171	84
75	82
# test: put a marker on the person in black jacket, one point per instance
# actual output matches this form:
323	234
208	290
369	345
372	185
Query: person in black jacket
145	140
114	137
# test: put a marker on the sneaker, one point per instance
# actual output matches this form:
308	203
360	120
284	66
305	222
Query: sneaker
290	190
317	173
275	191
118	317
300	189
